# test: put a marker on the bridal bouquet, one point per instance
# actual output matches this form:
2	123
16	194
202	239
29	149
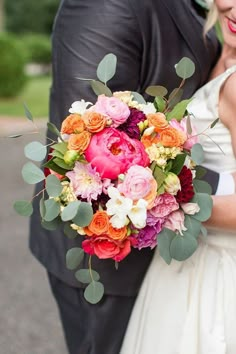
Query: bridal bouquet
121	174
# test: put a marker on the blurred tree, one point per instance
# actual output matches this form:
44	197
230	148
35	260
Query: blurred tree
30	16
1	15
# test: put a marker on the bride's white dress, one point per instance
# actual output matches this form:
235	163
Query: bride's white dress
190	307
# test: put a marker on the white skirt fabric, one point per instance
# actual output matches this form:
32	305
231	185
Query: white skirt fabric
187	307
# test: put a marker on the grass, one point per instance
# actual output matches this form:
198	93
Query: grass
35	95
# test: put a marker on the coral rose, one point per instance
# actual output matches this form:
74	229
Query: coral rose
112	152
95	122
157	120
72	124
171	137
79	142
104	247
99	224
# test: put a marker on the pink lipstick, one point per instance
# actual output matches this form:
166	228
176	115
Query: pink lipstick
232	25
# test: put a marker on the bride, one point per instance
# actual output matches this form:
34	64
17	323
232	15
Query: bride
190	307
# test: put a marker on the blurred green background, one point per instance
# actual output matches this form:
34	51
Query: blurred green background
25	60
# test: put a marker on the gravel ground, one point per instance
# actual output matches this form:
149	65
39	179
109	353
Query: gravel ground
29	321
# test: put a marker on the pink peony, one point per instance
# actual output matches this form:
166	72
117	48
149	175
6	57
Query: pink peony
182	125
112	152
137	182
175	222
113	108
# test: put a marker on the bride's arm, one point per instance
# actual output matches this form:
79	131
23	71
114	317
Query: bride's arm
223	213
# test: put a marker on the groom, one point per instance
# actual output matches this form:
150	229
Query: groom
148	37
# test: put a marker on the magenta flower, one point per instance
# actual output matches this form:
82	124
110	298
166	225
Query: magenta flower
147	237
131	125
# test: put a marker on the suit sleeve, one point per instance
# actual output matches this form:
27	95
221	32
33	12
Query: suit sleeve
84	32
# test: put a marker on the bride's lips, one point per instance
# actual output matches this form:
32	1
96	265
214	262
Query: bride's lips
231	25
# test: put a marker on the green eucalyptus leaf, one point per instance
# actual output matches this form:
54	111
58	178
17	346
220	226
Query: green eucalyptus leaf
100	89
69	232
85	276
51	225
177	163
202	186
94	292
74	257
52	210
175	97
214	123
200	172
28	113
178	111
53	186
84	215
14	136
138	97
107	68
70	211
185	68
156	91
205	203
23	207
35	151
182	247
165	238
197	153
203	231
52	128
193	225
32	174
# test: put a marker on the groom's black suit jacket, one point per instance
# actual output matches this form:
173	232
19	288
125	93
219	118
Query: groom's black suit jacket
148	37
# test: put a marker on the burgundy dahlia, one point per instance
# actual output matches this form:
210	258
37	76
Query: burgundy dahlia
130	127
186	181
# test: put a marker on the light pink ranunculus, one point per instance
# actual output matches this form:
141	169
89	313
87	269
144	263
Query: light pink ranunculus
113	108
175	222
112	152
182	125
137	182
164	204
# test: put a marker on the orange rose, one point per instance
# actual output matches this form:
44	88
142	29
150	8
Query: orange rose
157	120
171	137
72	124
95	122
79	142
117	234
99	224
148	140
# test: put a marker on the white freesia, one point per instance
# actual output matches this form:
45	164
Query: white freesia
138	214
190	208
148	108
148	131
118	206
79	107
